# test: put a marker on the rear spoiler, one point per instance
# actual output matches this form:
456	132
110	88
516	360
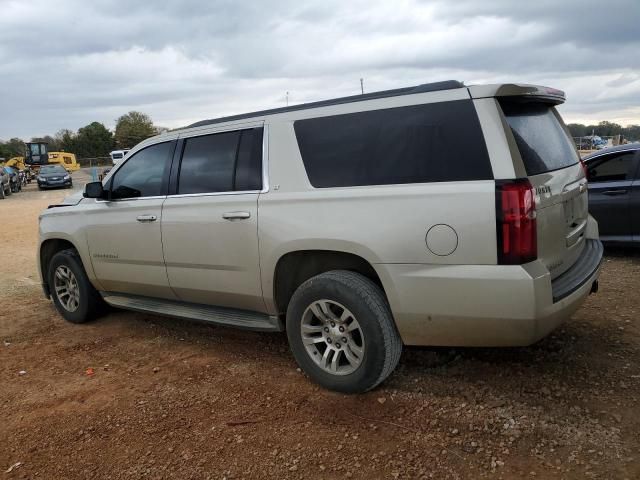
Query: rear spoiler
523	92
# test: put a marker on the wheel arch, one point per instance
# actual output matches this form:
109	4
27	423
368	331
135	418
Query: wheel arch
48	248
295	267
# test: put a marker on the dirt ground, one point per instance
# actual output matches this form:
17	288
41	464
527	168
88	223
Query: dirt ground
173	399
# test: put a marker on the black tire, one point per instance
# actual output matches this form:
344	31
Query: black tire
90	303
366	301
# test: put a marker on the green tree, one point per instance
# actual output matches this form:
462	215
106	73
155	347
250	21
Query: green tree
93	140
578	130
607	129
132	128
54	146
66	140
12	148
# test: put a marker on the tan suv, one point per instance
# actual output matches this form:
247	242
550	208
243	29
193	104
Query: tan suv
432	215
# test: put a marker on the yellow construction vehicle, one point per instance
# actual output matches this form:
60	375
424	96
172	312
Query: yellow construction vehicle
66	159
16	162
37	154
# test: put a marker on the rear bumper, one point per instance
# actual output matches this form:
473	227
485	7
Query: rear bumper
485	305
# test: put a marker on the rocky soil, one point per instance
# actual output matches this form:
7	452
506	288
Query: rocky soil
139	396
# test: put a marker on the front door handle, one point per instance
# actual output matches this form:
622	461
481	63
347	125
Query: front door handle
615	192
146	218
236	215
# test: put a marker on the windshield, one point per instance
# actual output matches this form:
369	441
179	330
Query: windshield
543	143
52	169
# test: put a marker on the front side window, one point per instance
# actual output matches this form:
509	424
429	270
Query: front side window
436	142
143	175
222	162
612	168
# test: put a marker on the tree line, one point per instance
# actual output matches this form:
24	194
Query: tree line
605	129
96	140
93	140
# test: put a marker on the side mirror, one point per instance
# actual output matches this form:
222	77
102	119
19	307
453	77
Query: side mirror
94	190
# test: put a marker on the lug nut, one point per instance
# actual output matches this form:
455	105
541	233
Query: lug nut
333	324
326	329
338	345
344	339
341	329
328	340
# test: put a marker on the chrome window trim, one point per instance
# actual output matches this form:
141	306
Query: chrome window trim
213	194
622	150
154	197
265	170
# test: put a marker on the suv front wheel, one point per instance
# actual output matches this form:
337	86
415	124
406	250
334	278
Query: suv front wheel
73	295
342	333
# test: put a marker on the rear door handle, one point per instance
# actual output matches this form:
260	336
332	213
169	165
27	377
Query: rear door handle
615	192
146	218
236	215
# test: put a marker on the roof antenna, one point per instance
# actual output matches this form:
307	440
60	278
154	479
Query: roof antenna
362	86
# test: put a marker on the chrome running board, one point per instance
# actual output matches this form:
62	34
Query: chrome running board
193	311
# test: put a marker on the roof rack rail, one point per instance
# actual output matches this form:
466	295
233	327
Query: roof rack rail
424	88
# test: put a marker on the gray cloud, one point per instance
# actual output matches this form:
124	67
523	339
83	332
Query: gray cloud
70	62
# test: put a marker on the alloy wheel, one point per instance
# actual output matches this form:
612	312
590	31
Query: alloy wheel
66	288
332	337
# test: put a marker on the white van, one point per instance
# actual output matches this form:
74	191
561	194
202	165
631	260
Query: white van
117	156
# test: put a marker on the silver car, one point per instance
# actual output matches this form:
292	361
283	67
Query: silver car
441	214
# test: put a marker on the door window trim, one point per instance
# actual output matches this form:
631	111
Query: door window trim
178	152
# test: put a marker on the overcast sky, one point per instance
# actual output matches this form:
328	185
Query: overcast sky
66	63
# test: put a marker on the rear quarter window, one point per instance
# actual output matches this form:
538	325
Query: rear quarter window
542	141
436	142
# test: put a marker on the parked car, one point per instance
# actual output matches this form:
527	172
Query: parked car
5	184
14	179
104	173
118	155
614	193
54	176
432	215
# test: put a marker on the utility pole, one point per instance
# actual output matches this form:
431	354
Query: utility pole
287	97
362	86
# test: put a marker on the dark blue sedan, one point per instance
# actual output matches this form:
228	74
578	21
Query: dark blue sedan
614	193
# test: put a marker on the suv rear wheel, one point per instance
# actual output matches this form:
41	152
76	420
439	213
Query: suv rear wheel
342	333
73	295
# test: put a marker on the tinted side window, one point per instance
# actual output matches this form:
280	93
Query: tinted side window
144	174
222	162
436	142
208	163
612	168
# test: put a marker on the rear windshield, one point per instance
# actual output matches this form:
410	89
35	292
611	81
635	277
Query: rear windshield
544	146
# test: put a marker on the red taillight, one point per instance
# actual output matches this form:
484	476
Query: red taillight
516	222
